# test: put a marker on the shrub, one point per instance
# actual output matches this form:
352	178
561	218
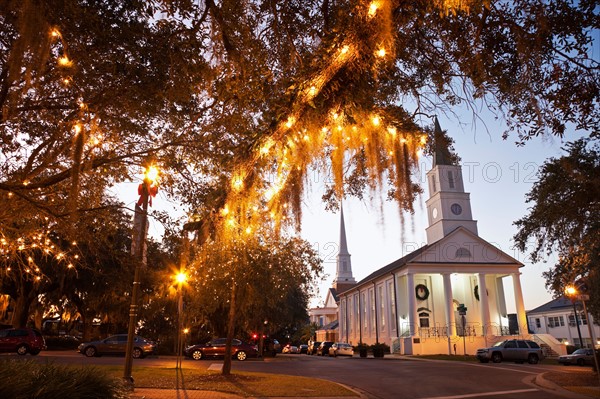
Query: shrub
30	380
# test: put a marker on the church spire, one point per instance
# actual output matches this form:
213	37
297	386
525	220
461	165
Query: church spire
343	243
343	277
441	153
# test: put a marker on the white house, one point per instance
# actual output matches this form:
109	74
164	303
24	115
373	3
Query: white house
566	321
417	303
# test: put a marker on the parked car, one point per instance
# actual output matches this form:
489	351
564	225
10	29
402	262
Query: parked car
312	347
303	349
290	349
324	348
240	350
580	357
117	345
22	341
516	350
341	349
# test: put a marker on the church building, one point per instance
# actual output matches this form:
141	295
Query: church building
445	297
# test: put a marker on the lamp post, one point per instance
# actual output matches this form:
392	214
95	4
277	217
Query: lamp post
181	278
146	190
571	291
584	297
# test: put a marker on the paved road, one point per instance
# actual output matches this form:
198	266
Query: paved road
389	378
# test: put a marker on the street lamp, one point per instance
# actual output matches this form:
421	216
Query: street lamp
146	191
572	291
181	278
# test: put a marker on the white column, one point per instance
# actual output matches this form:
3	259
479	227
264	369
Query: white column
449	309
484	304
412	304
521	316
449	304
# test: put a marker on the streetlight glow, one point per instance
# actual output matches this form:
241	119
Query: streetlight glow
181	277
151	173
570	290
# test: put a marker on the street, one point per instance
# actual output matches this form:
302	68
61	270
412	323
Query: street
388	378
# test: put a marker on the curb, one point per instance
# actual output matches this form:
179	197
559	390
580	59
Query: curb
548	385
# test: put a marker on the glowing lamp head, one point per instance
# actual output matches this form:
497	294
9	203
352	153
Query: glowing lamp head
181	278
570	290
151	174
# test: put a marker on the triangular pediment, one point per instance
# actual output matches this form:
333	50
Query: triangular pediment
461	246
330	299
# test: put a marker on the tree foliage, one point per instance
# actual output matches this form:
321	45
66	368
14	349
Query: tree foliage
259	279
565	217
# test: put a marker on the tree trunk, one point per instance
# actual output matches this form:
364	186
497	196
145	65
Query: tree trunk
21	313
230	331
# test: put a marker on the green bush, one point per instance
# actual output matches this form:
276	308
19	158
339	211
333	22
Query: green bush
379	349
30	380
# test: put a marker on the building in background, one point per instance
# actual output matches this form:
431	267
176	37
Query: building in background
566	321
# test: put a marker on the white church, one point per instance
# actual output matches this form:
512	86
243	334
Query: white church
446	297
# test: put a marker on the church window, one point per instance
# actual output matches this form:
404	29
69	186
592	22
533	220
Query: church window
538	324
382	308
433	185
450	179
372	298
424	319
463	253
364	302
392	304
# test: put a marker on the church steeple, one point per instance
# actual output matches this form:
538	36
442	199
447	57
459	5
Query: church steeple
448	206
343	277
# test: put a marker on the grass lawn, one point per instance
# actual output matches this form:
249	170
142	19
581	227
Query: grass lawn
240	383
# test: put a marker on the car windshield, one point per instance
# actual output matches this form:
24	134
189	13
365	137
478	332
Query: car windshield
499	343
580	352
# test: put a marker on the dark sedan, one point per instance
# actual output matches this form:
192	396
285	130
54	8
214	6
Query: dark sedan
117	345
240	350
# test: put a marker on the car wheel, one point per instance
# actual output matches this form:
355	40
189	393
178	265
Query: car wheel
496	357
533	359
137	353
22	349
90	351
241	356
580	362
197	355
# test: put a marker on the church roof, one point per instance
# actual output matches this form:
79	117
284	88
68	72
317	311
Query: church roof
334	294
392	266
331	326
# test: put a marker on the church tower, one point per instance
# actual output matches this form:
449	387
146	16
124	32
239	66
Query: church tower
343	277
448	206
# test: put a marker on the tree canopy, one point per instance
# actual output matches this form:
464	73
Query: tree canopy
565	217
238	101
